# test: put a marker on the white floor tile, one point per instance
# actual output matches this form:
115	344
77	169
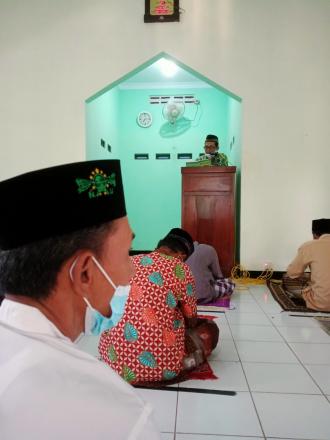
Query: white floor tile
271	309
321	374
167	436
213	437
245	307
243	290
284	319
230	377
243	298
220	318
164	404
258	287
237	318
269	304
264	299
225	351
294	416
255	333
242	293
225	332
255	351
245	301
213	414
260	291
312	353
279	378
304	334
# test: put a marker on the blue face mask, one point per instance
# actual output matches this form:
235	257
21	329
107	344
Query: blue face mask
118	303
95	322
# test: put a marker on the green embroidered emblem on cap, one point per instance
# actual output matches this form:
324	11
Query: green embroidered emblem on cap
98	184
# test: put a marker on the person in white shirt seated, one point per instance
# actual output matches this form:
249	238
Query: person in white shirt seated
64	243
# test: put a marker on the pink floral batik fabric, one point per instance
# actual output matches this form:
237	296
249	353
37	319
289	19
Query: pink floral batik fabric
148	342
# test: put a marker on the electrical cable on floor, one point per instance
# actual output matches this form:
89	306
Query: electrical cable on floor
242	278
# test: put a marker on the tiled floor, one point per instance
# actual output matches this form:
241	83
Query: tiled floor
279	366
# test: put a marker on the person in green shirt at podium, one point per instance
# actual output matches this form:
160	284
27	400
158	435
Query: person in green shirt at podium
211	148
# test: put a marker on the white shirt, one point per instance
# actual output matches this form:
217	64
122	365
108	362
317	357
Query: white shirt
51	390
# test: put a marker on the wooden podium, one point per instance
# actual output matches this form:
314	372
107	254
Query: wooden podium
208	209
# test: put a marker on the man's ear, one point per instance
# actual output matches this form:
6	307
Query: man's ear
81	272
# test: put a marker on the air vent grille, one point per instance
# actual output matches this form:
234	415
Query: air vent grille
163	99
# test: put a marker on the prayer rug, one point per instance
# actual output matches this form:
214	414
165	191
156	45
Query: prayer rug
202	372
209	308
285	301
324	322
207	317
219	305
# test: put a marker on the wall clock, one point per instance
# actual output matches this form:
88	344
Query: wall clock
144	119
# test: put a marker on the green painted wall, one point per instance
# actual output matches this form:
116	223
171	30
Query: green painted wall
102	122
153	187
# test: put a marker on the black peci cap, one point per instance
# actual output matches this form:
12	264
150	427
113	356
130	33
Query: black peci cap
59	200
184	238
321	226
212	137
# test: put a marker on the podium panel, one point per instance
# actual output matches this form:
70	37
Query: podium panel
208	209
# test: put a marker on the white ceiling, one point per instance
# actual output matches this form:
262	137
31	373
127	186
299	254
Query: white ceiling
152	78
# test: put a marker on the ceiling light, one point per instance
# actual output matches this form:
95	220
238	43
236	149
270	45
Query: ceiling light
168	68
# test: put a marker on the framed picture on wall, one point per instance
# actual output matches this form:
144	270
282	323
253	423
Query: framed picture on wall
161	11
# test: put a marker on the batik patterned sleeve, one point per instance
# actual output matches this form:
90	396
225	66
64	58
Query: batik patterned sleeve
186	290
